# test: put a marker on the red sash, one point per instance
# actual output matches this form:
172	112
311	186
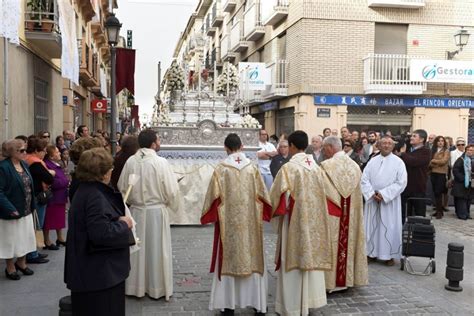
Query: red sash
343	214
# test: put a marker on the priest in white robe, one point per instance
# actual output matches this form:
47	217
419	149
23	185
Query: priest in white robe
303	249
383	180
151	199
237	202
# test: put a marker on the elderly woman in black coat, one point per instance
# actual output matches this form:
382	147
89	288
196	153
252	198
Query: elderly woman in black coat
97	253
463	187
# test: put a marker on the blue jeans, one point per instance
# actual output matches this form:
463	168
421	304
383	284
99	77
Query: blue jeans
41	211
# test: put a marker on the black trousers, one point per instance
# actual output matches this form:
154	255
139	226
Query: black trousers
413	207
462	207
100	303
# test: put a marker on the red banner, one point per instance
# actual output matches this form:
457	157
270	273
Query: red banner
99	106
125	71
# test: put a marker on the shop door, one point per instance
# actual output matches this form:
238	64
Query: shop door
398	120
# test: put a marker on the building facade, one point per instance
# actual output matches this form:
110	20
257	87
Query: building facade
35	97
337	63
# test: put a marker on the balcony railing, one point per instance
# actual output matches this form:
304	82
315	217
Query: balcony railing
229	5
238	42
274	11
42	27
406	4
217	15
279	77
384	73
253	96
253	26
225	51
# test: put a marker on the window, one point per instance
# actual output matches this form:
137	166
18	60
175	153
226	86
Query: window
41	105
390	38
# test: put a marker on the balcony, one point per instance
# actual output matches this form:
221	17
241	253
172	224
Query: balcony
87	10
274	11
211	31
217	15
225	53
89	65
253	27
402	4
229	5
238	42
98	33
42	28
390	74
279	76
253	97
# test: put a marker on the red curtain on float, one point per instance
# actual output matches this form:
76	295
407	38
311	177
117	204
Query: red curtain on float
125	70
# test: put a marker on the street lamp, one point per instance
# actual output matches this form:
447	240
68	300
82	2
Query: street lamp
112	26
461	38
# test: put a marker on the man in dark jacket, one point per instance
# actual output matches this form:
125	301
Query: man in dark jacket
417	161
282	158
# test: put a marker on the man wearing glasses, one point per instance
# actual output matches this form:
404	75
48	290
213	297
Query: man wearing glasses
417	161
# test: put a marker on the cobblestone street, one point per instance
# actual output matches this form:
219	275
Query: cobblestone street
391	291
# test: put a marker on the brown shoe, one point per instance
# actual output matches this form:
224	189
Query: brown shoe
370	259
439	215
390	262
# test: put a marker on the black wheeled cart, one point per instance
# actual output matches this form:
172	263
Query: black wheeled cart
418	240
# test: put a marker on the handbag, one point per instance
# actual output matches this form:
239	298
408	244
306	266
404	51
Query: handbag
44	196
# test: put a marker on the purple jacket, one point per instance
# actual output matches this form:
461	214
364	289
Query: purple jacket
60	184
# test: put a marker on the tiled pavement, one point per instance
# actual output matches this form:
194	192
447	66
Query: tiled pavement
391	291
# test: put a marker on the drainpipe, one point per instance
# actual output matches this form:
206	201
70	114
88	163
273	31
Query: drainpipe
5	86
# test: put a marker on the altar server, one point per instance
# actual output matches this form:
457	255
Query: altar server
151	199
238	203
303	248
383	181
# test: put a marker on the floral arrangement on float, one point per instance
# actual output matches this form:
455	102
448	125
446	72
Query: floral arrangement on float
229	75
248	121
164	117
175	77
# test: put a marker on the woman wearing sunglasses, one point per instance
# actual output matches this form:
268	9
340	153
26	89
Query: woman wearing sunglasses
17	237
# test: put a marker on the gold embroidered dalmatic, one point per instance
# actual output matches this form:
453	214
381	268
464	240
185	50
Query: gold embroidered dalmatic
307	247
237	201
344	198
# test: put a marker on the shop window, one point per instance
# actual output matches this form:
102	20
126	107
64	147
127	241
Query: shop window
470	129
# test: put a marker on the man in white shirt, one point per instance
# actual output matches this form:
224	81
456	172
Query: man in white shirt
265	154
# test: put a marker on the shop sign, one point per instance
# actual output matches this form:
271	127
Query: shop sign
269	106
442	71
254	76
326	113
364	100
99	106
